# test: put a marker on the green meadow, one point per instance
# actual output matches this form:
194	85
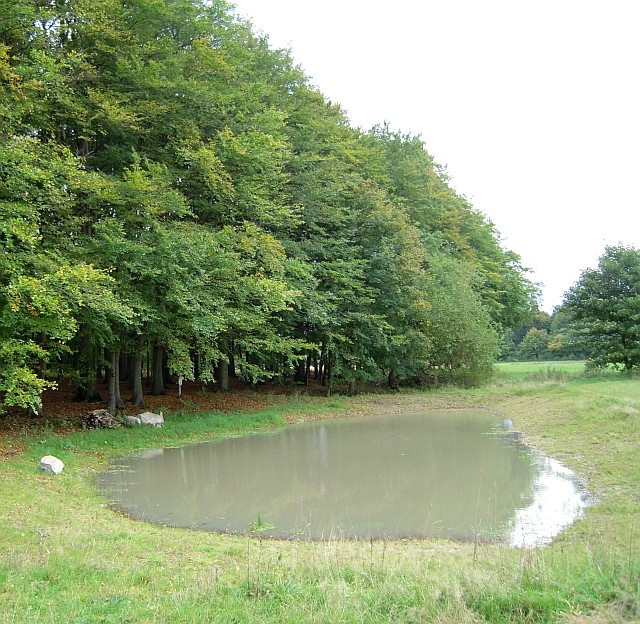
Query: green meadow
539	370
66	556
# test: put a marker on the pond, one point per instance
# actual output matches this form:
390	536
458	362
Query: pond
458	475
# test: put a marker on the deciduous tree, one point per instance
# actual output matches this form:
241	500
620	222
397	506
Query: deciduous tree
604	307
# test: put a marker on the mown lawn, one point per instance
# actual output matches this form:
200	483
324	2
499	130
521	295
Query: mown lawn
66	556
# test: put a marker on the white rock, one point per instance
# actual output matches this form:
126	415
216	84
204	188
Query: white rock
149	418
51	464
132	421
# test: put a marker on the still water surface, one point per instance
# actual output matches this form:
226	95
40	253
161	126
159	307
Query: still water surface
457	475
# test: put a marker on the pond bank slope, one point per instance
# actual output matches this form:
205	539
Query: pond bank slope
67	557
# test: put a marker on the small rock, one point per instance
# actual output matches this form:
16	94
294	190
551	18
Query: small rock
51	464
132	421
149	418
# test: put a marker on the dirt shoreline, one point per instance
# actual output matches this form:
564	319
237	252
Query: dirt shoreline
63	415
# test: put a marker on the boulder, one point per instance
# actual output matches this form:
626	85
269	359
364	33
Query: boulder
149	418
132	421
51	464
100	419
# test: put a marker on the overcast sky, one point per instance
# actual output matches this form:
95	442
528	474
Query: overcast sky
533	107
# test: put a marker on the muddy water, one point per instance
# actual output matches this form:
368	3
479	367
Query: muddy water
456	475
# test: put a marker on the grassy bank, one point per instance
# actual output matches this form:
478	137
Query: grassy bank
67	557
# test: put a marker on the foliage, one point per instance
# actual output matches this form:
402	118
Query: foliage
43	293
170	184
534	344
542	337
464	339
604	309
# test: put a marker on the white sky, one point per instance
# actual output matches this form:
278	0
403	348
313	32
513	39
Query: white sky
533	106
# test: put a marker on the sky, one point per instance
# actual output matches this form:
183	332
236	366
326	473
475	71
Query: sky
533	107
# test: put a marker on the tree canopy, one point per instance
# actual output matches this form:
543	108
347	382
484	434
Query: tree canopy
172	186
604	309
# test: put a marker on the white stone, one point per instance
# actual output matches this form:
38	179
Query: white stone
51	464
149	418
132	421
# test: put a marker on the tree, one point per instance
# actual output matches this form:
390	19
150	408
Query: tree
604	308
451	225
396	274
534	344
463	337
560	344
169	184
43	292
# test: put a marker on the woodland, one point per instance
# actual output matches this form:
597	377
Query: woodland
179	201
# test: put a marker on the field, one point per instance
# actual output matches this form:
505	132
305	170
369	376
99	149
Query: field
521	371
67	557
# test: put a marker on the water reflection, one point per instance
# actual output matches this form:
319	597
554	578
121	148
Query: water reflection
446	475
556	497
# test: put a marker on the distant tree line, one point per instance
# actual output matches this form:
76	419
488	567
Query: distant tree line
598	321
543	337
176	193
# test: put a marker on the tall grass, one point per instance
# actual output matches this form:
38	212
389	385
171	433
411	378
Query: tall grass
65	556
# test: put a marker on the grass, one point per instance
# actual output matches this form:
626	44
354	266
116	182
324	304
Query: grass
539	371
65	556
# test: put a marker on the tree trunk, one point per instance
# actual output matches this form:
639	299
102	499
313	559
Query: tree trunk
223	375
112	373
88	392
87	388
131	368
393	380
157	373
114	399
35	409
125	364
327	372
195	358
168	380
119	400
302	371
223	367
137	398
106	359
321	374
